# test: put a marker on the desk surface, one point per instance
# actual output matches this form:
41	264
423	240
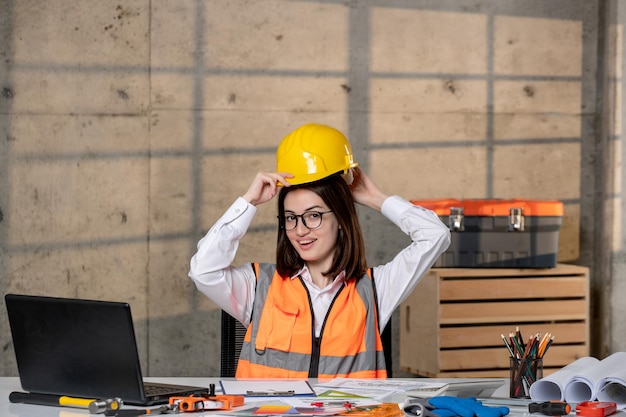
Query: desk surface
9	384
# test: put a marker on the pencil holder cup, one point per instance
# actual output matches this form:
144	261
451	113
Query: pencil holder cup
524	372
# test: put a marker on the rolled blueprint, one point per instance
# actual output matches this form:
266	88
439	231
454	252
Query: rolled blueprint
554	386
613	386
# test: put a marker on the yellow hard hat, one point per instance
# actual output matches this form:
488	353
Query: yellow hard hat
312	152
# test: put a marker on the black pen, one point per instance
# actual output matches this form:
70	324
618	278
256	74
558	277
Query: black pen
289	393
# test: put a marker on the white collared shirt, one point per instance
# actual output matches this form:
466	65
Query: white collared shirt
233	288
321	298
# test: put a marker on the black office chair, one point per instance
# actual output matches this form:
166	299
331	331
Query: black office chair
233	333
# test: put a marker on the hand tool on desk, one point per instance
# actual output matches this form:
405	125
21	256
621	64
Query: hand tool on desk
595	408
550	408
132	412
345	404
95	406
198	403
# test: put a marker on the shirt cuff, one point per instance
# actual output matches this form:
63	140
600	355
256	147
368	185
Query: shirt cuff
239	209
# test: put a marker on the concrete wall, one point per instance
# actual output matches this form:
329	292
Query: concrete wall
127	127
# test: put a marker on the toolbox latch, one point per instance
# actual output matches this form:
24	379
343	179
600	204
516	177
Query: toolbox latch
456	222
516	219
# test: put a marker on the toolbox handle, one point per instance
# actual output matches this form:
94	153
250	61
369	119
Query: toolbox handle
456	221
516	219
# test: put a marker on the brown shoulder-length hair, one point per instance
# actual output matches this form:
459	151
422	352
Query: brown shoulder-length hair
350	250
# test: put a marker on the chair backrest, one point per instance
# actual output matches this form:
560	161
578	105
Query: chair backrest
233	333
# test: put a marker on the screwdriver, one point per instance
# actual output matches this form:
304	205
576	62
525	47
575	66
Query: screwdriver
550	408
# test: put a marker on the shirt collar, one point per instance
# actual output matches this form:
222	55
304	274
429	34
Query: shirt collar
306	275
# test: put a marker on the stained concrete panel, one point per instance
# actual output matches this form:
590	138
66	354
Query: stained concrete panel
251	93
276	35
521	46
172	132
617	116
65	137
86	35
409	127
298	94
507	126
174	29
430	173
415	40
169	284
175	90
103	91
259	245
223	129
170	195
113	271
544	171
428	95
87	57
569	234
226	177
552	97
78	201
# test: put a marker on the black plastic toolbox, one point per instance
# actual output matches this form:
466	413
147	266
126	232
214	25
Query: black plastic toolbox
495	233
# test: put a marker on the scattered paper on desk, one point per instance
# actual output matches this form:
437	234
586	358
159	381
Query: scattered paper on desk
328	406
379	389
380	384
284	408
331	393
380	410
269	386
484	388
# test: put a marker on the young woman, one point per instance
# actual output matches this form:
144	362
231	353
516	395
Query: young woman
319	311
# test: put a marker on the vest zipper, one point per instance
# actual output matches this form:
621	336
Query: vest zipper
317	341
315	357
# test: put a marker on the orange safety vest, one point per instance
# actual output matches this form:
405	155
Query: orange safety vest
280	342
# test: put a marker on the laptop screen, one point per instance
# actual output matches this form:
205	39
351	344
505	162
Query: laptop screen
75	347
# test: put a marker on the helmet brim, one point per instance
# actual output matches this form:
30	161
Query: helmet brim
308	178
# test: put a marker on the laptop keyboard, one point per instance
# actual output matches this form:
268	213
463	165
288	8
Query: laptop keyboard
152	390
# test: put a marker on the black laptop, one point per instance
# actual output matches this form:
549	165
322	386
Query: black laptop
82	348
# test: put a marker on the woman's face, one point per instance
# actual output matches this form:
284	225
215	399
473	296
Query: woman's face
315	246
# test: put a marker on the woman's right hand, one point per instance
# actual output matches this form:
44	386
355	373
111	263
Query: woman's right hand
265	186
364	191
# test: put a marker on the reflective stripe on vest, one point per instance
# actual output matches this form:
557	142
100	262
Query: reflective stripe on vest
279	339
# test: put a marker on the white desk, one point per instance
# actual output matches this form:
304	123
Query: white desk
9	384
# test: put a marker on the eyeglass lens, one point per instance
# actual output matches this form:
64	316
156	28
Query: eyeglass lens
310	219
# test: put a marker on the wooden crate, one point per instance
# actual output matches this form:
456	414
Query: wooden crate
451	324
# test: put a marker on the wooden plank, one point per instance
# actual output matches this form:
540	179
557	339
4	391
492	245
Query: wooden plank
477	336
513	288
494	358
485	373
513	311
559	270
